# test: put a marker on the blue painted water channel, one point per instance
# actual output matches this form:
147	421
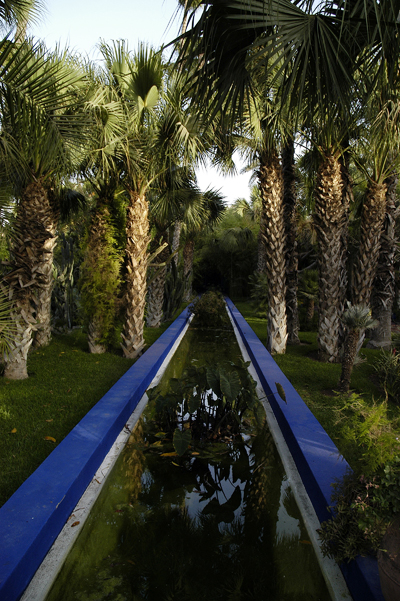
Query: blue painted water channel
217	523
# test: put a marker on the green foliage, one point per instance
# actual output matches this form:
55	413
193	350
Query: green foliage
209	311
227	257
364	504
173	291
100	277
387	368
369	428
363	509
65	298
207	402
358	317
258	283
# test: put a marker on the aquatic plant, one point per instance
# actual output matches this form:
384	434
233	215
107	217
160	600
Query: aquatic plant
209	311
210	401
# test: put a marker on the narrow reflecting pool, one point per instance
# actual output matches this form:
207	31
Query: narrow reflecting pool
218	522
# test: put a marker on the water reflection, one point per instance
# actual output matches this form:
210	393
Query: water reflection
221	524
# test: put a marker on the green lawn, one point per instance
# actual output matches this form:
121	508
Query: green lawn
65	381
316	383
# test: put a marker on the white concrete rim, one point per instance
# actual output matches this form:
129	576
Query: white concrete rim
41	583
333	577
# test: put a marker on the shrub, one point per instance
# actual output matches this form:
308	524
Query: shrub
364	507
387	368
210	311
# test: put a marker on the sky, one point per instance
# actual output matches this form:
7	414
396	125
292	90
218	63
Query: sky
80	24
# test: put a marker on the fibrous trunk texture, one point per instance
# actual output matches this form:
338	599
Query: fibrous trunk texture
137	230
94	335
176	241
349	354
347	200
188	255
273	231
329	219
31	276
384	284
155	292
49	215
372	217
290	218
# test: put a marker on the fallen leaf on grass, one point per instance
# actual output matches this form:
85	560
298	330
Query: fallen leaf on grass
49	420
50	438
74	524
195	453
69	390
13	431
173	454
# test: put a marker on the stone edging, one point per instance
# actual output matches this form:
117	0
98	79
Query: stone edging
32	518
316	456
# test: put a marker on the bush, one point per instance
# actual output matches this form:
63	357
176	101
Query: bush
210	311
387	368
364	507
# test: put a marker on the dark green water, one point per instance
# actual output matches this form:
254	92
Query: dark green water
218	525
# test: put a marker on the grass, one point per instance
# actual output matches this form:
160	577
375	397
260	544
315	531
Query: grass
65	382
316	383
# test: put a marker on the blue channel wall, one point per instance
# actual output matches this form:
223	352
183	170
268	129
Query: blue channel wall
316	456
33	517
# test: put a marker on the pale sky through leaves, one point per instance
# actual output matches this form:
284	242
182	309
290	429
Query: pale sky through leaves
80	24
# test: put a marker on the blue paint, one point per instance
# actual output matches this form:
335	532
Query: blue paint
316	456
33	517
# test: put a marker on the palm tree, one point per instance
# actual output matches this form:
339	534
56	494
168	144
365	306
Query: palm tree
312	54
383	291
43	125
357	318
290	220
212	210
159	135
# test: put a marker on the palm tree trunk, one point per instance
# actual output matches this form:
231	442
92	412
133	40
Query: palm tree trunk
137	230
372	218
49	215
271	189
155	292
94	335
349	354
176	240
383	291
329	220
188	255
31	271
290	218
347	200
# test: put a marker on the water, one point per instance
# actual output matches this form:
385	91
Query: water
219	523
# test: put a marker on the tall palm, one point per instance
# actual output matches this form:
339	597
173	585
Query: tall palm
158	136
313	52
383	292
180	199
290	220
43	127
101	167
